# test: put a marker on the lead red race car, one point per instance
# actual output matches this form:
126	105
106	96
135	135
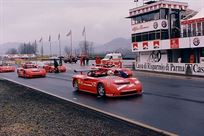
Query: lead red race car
7	68
30	70
110	83
49	67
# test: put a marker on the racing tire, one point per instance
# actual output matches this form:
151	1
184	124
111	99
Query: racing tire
101	90
50	70
76	85
24	74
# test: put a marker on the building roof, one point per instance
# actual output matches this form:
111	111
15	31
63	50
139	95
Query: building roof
199	17
200	14
157	5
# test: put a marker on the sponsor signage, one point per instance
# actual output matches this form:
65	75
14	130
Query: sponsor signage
150	26
196	41
135	46
201	59
179	68
156	44
145	45
174	43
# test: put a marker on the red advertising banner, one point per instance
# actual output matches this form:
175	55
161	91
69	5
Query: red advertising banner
174	43
156	44
135	46
145	45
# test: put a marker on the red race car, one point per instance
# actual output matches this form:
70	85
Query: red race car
49	67
6	68
107	83
125	71
30	70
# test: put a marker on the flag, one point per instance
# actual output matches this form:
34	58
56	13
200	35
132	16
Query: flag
40	39
59	37
49	38
70	32
84	31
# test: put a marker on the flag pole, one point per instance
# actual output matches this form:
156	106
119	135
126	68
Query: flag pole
50	46
71	42
50	49
42	49
59	45
84	34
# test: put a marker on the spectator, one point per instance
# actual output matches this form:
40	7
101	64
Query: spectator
56	66
87	61
81	61
98	60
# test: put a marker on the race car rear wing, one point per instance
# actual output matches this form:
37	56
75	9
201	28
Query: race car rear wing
86	70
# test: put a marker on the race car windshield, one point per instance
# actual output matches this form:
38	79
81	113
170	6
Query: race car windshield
108	57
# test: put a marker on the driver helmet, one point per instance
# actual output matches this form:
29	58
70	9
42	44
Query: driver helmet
110	73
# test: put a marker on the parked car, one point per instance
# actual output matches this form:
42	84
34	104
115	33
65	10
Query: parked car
70	59
105	82
6	68
49	67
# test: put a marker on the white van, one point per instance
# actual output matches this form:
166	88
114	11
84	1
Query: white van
112	59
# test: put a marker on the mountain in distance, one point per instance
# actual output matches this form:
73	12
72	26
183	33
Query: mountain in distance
5	46
121	45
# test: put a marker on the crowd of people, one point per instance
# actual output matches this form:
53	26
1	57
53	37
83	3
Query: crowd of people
84	61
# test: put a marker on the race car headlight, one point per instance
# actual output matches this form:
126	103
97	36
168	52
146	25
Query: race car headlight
137	82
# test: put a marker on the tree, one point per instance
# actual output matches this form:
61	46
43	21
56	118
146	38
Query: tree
12	51
67	50
86	48
27	48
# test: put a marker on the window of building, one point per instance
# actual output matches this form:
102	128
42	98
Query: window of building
139	38
152	35
133	38
194	29
164	13
198	29
184	31
164	34
202	52
158	33
147	17
202	28
189	30
145	37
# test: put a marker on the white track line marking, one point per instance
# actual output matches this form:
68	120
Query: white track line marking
98	110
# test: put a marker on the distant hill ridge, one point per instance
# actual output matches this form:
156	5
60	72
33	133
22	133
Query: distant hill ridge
120	44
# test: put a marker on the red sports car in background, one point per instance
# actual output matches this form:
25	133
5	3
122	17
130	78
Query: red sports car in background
49	67
7	68
30	70
107	83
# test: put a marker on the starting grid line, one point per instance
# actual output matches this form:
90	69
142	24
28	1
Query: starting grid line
97	110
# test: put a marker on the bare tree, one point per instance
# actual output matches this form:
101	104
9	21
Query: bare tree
27	48
12	51
67	50
86	48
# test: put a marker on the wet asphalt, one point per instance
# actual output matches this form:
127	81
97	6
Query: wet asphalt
171	103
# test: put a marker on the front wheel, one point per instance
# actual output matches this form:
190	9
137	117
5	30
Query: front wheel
101	90
75	85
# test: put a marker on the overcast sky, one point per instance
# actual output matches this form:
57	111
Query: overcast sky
28	20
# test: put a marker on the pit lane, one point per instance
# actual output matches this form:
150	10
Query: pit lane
171	104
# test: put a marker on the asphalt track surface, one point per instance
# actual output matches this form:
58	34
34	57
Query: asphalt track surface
174	104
